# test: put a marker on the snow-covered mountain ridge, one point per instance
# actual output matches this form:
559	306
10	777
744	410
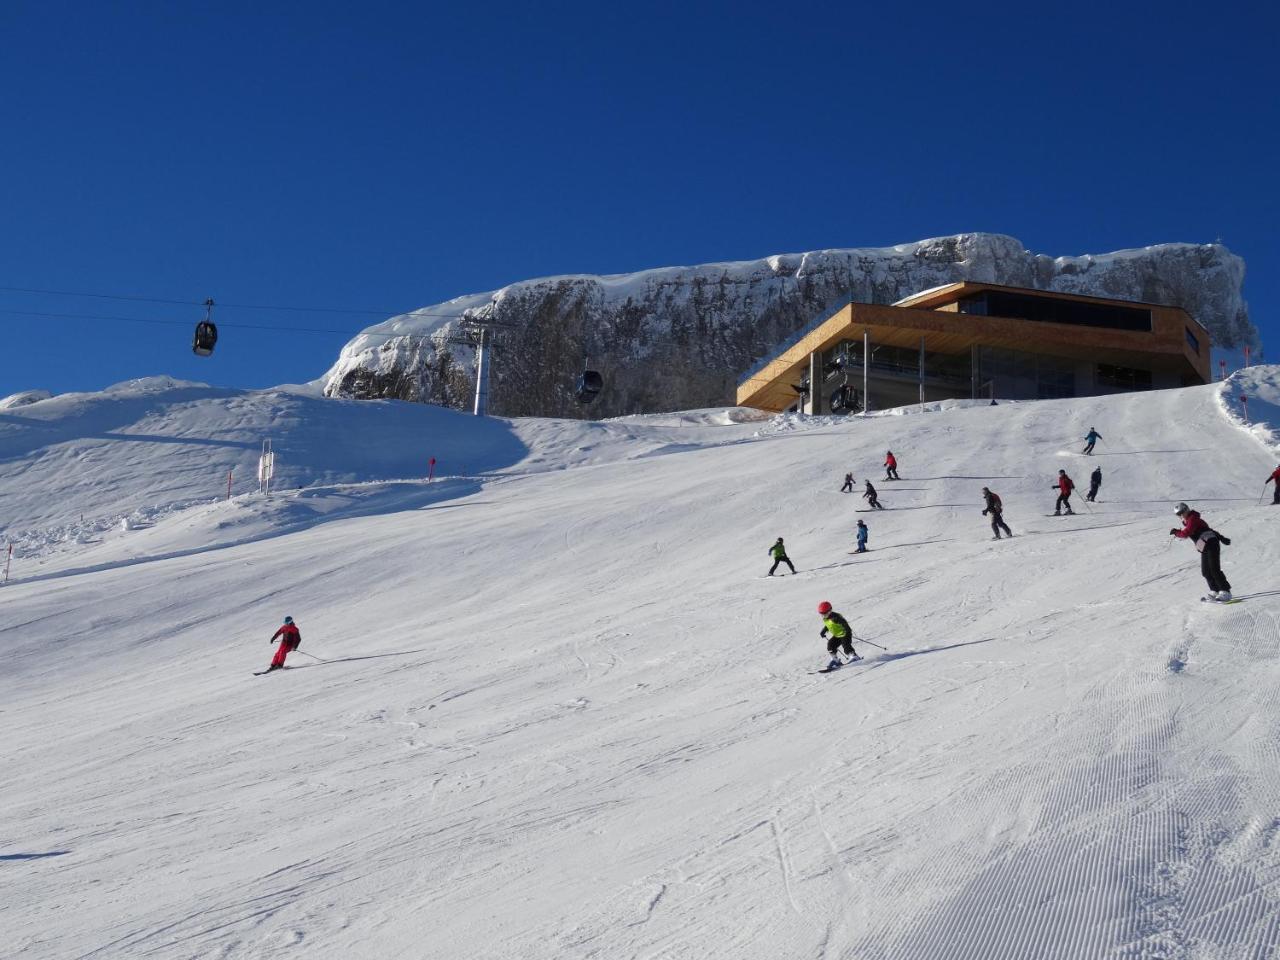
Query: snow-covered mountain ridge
562	714
679	337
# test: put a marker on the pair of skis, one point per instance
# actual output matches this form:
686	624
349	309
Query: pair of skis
836	664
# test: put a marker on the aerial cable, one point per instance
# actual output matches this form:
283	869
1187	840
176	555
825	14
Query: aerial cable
237	306
349	334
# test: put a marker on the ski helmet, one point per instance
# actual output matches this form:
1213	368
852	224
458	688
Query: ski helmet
288	619
1182	508
824	608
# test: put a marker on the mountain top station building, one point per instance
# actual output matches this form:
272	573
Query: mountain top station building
979	340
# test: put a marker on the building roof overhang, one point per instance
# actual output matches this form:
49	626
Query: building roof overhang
949	293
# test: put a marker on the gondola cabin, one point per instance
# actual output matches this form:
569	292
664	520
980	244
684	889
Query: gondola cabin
590	383
206	336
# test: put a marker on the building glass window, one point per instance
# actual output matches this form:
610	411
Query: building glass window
1192	340
1024	306
1124	378
1017	373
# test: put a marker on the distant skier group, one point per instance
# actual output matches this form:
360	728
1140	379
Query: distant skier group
1208	541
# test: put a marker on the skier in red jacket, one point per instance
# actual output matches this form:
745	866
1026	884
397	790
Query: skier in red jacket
1209	542
891	466
1275	475
1064	487
290	640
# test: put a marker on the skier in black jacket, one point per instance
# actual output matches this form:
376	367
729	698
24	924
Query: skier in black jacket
870	496
1095	481
996	509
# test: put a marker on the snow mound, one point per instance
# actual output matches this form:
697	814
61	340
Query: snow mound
24	398
1258	412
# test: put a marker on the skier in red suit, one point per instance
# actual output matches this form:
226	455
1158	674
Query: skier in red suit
290	640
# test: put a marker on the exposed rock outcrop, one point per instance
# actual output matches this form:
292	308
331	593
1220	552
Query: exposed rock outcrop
680	337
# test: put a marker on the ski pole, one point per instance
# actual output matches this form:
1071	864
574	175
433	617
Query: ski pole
860	640
311	655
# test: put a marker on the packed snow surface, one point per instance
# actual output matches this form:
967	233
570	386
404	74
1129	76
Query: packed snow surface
562	713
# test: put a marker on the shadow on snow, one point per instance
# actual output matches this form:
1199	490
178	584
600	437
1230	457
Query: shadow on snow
33	856
887	657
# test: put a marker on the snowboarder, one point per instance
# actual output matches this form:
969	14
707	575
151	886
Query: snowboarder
1275	475
848	483
1064	486
870	496
779	554
290	639
1095	481
996	509
841	635
1209	542
1092	437
863	532
891	466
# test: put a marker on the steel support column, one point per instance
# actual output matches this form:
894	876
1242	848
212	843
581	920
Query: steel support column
921	371
866	371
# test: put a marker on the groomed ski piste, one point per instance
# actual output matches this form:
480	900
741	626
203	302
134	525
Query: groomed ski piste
562	714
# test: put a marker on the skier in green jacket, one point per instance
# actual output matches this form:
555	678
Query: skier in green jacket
841	635
779	554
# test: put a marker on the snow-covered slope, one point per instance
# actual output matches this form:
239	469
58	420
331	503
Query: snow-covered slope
680	337
563	714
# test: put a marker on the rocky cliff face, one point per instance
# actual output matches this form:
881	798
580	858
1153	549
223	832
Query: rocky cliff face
680	337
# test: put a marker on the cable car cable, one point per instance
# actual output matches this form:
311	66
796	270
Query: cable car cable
237	306
349	334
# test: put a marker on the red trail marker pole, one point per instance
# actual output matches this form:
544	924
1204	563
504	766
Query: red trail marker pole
229	484
1222	368
1246	355
1244	402
431	469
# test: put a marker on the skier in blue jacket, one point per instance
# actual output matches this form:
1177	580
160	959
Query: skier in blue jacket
862	536
1092	437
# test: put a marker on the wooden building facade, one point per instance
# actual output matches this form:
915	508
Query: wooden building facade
977	340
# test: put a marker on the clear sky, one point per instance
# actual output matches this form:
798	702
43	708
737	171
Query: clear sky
386	156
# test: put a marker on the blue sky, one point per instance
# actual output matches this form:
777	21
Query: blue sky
385	156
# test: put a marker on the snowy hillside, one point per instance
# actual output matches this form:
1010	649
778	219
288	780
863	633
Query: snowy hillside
564	714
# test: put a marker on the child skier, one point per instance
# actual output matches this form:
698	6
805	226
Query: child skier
1064	486
848	483
1092	437
1275	475
779	554
1095	481
862	537
1209	542
290	640
841	635
890	466
870	496
996	508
